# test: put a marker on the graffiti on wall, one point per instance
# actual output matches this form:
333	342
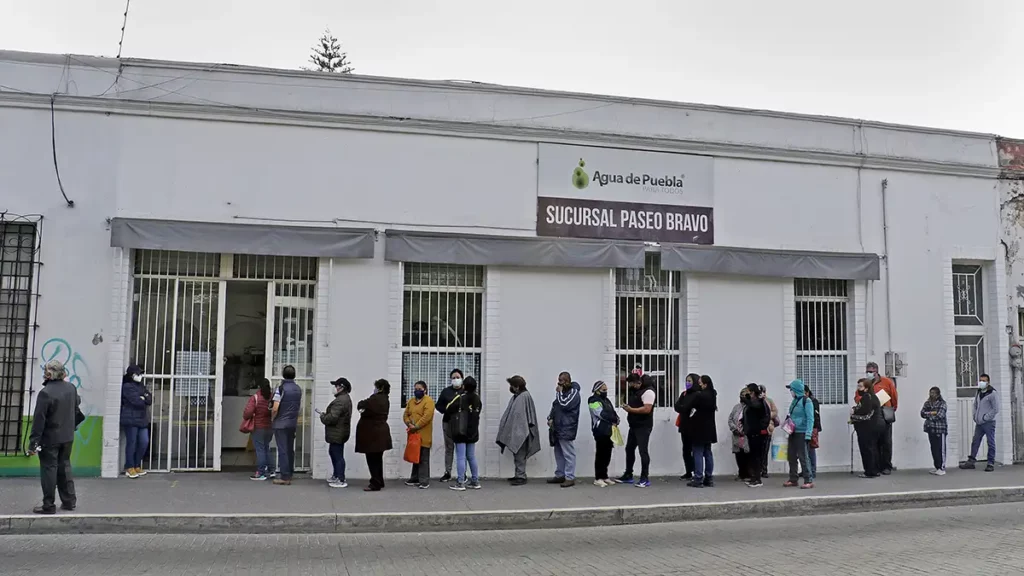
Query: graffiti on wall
88	447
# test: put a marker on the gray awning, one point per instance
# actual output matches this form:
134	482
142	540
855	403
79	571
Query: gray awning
775	263
223	237
434	248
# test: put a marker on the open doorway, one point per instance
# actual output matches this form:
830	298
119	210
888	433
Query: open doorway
245	330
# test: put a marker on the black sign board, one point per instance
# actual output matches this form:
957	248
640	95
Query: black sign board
576	218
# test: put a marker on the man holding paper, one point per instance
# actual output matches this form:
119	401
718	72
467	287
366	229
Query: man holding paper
885	389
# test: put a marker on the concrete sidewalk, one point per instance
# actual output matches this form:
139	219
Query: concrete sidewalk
212	503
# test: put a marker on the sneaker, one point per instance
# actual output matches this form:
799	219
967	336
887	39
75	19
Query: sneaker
643	483
44	510
790	484
458	487
280	482
756	484
141	472
866	475
568	483
886	472
807	485
332	479
518	482
68	507
601	483
131	473
474	485
934	472
259	476
413	482
940	472
687	477
556	480
696	483
709	482
338	484
447	477
625	479
968	465
423	486
612	481
990	468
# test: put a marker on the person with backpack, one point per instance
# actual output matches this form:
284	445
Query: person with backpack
812	446
800	427
935	426
464	414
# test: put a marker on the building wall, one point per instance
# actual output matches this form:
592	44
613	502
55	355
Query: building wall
779	183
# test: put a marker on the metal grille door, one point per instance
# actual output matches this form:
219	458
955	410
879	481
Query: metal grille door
18	251
291	309
177	330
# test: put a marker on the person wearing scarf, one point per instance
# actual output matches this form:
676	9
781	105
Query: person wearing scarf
564	420
517	429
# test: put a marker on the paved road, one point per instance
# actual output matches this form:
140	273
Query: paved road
981	541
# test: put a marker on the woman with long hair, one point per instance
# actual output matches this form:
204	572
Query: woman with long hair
704	433
935	426
683	407
373	435
465	419
869	423
258	409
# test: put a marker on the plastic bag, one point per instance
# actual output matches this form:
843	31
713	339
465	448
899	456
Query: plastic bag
412	448
617	437
780	447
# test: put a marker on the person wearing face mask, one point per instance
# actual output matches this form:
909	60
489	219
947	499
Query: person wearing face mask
517	429
564	420
602	419
936	427
337	421
757	421
640	416
704	432
419	419
135	402
683	407
772	425
801	414
445	399
373	434
986	408
869	423
882	384
740	447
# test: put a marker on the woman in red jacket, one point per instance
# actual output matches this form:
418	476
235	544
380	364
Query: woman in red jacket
258	408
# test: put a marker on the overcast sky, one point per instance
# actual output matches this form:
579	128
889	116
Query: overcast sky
943	63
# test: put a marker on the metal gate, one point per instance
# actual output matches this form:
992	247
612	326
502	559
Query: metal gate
177	330
291	309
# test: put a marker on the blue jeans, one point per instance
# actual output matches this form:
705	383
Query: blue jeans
812	458
565	459
337	452
464	453
988	432
285	440
703	462
136	442
261	444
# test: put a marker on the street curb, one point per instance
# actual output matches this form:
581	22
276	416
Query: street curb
498	519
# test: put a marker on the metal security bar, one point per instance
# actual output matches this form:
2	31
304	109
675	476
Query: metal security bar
822	351
291	342
968	309
171	263
259	267
442	324
19	249
647	327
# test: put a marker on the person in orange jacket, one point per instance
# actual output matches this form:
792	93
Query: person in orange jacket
883	384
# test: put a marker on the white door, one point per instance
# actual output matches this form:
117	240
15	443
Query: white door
291	310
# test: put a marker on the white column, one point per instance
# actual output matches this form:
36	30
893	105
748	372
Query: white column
322	392
121	287
692	296
493	385
1000	363
393	458
788	331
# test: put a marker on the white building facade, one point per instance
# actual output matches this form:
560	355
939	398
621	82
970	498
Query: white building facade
228	221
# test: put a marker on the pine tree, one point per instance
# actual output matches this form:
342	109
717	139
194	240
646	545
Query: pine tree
328	57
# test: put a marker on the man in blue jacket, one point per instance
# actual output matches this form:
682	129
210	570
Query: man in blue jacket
563	420
286	405
801	412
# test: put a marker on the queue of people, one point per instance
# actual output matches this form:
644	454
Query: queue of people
753	422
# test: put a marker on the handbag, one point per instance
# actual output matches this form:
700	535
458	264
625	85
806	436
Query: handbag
788	426
889	413
617	437
412	448
814	439
249	424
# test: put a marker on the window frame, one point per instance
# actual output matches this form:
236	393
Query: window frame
19	280
970	331
826	335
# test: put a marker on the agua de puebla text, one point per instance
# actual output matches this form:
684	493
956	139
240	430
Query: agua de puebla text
624	218
604	179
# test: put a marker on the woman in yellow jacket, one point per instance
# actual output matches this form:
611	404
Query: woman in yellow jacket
419	419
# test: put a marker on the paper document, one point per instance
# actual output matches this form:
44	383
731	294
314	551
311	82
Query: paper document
883	397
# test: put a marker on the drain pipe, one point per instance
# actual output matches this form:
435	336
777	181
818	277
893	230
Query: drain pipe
888	276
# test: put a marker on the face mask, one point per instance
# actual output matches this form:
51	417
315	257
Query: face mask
602	393
457	382
511	390
982	385
420	394
689	384
870	376
137	377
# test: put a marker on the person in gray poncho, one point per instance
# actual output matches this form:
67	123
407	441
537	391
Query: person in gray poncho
518	430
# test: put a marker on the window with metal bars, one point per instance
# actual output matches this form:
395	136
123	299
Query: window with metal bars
19	248
822	351
647	328
969	328
442	324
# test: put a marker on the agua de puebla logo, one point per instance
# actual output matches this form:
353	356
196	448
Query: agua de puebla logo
666	184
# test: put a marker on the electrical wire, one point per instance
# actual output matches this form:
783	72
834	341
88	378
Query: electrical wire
124	24
53	145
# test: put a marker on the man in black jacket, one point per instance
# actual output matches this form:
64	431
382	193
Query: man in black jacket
446	397
757	417
54	421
